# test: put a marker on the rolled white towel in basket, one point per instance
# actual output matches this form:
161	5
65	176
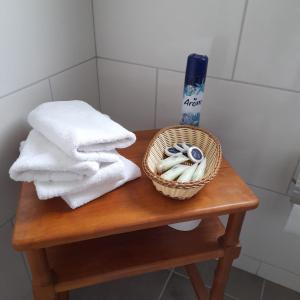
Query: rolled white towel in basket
107	173
131	172
41	160
79	130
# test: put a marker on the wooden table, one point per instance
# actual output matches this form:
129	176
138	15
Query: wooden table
124	233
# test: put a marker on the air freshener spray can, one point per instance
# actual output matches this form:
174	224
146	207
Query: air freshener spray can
193	91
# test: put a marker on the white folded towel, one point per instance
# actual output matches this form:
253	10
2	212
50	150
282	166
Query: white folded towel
74	200
108	172
41	160
80	130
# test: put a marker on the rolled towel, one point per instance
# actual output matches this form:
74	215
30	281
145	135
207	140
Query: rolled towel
107	173
78	129
41	160
75	200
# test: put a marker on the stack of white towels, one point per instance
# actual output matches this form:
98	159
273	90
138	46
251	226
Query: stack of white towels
70	152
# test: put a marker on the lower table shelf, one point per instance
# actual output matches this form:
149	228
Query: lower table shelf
98	260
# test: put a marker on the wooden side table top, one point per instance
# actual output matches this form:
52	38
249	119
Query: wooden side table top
134	206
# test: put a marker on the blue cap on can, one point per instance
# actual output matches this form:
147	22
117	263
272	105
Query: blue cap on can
196	68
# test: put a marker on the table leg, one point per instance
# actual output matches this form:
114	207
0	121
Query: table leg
42	281
197	282
230	242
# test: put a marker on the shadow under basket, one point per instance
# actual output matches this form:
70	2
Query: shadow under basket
169	136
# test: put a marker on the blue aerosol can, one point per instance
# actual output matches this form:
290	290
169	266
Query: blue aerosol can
193	90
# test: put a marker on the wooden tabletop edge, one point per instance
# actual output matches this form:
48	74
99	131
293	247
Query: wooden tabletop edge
29	244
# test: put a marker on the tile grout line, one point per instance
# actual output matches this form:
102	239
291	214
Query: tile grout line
26	267
23	87
270	264
98	84
71	67
165	285
239	39
231	297
155	99
45	78
95	44
253	258
262	290
267	189
256	84
181	275
94	27
280	268
50	87
133	63
147	66
258	268
206	285
209	76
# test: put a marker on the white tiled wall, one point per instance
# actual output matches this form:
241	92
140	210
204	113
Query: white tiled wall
162	33
47	51
40	38
128	93
13	129
79	83
264	236
252	98
247	263
269	51
280	276
169	93
248	126
258	128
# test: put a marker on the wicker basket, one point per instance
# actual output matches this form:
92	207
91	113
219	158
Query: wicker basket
167	137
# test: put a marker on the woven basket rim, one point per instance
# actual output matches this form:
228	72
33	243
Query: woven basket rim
175	184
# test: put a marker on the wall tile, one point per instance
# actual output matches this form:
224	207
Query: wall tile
247	263
263	236
78	83
127	93
13	129
39	38
14	281
258	127
280	276
169	98
270	45
163	33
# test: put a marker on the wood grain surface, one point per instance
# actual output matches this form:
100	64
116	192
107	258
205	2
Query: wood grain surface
134	206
